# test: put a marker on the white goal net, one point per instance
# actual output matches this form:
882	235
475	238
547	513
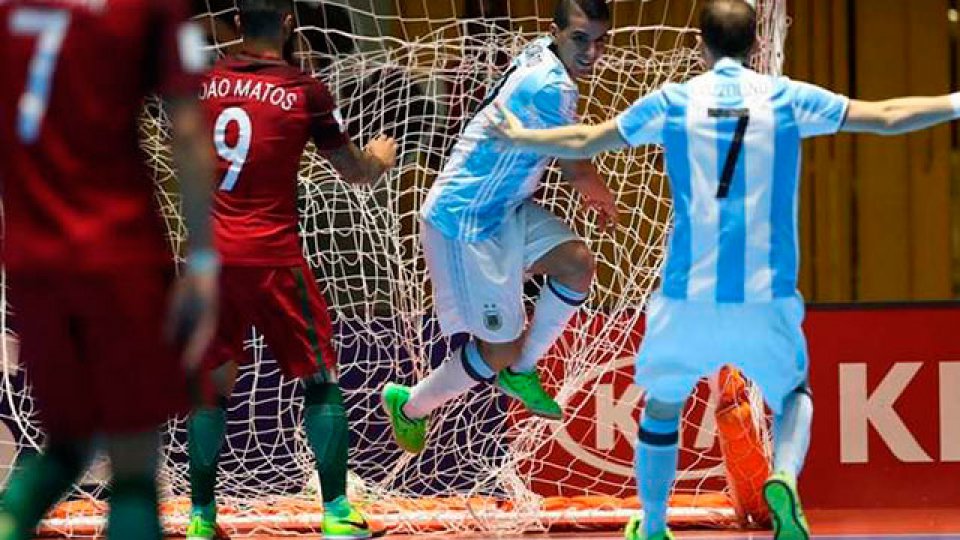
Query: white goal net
417	70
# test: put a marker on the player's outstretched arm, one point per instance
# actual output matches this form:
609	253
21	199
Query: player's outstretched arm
901	115
194	165
193	314
364	166
580	141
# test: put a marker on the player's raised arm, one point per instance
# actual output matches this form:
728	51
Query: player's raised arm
333	142
192	318
194	163
181	61
641	124
579	141
363	166
900	115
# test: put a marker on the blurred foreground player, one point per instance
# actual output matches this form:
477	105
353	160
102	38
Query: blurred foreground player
85	248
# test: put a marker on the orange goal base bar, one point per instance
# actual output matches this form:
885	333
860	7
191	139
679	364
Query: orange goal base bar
87	518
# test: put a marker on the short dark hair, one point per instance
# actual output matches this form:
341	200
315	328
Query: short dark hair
595	10
261	18
729	27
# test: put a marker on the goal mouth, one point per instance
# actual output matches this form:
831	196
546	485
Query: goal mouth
419	73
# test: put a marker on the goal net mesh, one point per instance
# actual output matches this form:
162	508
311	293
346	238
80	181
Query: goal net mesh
417	70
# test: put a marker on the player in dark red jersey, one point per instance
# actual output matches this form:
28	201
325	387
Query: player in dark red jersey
264	112
85	248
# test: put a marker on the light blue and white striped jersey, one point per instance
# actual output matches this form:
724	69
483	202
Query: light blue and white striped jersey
485	179
732	142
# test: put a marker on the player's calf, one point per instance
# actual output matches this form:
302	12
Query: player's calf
37	484
134	501
410	408
206	434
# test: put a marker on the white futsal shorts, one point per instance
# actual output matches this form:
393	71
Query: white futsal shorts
478	286
687	340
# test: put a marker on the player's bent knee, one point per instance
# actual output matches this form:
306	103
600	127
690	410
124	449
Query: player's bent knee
578	268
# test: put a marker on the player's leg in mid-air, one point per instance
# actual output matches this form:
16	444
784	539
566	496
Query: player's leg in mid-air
288	308
478	289
569	268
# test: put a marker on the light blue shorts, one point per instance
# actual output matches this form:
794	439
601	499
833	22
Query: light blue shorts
687	340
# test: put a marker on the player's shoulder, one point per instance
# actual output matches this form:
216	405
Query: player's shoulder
797	91
539	62
674	93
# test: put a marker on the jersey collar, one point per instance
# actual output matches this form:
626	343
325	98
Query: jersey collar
726	63
260	57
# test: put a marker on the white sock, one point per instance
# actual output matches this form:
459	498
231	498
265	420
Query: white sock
791	434
555	307
463	370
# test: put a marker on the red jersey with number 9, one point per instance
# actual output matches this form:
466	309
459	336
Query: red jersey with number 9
263	112
76	190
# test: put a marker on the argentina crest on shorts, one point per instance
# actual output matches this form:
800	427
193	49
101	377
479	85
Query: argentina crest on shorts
492	318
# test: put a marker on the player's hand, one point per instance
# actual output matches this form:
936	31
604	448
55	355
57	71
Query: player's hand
384	150
192	319
595	195
504	124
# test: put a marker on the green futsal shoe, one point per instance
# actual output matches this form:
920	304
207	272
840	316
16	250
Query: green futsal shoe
528	389
789	523
411	434
634	531
204	529
344	522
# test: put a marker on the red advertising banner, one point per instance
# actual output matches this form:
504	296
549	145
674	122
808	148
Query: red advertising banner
886	430
886	433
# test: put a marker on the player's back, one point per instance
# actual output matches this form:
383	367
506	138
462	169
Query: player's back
733	139
484	179
76	71
263	112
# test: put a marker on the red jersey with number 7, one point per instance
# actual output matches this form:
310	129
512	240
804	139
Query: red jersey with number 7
76	191
263	112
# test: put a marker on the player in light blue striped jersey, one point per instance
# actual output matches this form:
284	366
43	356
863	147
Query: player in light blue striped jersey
728	292
482	232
